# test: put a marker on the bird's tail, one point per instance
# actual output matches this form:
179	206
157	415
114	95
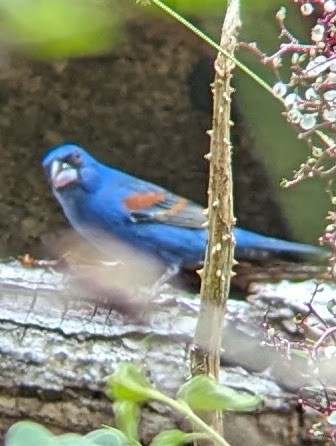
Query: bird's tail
250	244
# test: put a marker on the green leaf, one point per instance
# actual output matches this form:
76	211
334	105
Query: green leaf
127	414
59	28
27	433
128	384
175	437
68	440
107	437
204	393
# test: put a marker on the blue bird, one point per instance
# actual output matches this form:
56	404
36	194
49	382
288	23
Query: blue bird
103	203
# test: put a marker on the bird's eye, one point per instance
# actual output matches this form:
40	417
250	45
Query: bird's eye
75	159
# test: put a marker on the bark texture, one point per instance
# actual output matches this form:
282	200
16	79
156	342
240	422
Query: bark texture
58	344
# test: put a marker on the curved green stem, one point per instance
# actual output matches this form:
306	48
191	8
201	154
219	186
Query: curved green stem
210	42
217	47
185	410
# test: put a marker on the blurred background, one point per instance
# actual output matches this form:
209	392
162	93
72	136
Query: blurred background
132	86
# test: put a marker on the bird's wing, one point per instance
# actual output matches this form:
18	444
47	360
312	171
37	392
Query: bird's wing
150	203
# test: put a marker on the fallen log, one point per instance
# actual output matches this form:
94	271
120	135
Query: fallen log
59	342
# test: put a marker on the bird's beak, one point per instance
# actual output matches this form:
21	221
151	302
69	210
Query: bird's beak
62	174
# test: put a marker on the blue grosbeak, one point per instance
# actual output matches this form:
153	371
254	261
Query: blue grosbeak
103	203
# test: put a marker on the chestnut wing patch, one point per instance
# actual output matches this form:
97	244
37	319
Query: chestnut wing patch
164	208
140	201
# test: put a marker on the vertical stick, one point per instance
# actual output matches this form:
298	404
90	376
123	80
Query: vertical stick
219	260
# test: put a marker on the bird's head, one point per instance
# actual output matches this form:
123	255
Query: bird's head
70	167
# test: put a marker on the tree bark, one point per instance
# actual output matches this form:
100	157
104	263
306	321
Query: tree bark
57	347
